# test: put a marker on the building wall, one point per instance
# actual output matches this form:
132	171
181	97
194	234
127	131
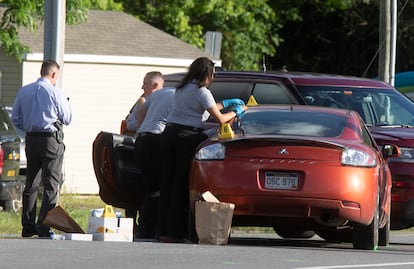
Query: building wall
10	79
101	95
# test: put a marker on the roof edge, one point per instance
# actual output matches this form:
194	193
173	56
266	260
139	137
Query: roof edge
109	59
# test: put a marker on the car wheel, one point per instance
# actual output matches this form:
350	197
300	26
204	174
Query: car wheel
366	236
384	232
293	232
384	235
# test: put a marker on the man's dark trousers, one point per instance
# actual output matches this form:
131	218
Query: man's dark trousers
44	157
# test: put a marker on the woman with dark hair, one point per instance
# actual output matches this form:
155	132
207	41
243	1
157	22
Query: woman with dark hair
184	131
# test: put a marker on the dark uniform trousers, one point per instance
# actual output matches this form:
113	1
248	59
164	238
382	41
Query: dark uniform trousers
45	155
178	143
147	153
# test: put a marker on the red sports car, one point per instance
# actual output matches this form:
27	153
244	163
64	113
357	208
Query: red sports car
300	170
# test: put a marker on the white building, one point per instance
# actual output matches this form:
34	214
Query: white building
105	61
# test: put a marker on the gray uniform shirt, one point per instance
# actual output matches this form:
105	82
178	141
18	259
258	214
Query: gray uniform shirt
131	121
190	105
158	106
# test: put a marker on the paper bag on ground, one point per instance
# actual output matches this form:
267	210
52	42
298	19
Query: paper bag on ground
213	220
57	218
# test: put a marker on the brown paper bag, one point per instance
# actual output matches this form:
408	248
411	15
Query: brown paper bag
58	218
213	222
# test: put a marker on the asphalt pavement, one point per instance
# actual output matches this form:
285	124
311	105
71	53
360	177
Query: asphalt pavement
243	251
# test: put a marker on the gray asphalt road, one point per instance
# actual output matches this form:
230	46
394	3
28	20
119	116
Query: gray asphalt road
244	251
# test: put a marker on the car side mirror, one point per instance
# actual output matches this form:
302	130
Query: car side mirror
390	151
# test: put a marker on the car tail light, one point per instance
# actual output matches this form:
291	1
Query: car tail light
211	152
357	158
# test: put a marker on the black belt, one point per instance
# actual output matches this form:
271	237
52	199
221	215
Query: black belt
41	134
185	127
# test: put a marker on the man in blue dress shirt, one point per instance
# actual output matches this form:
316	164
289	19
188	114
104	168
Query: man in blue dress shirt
40	109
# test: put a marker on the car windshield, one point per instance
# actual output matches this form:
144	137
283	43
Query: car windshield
377	107
291	122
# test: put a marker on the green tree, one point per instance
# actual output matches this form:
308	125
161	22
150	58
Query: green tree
328	36
335	36
28	14
339	36
249	27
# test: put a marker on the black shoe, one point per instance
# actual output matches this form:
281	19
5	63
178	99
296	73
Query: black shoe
29	233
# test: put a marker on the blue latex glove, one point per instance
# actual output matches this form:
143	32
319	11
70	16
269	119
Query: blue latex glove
234	101
238	109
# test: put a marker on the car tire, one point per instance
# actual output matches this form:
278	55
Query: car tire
366	236
384	235
384	232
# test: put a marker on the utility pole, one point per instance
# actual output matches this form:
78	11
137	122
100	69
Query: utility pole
387	40
384	41
394	20
54	33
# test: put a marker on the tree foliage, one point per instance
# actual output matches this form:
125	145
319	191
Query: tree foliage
29	14
342	39
17	14
334	36
323	34
249	27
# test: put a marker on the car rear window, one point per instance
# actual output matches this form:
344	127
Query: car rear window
229	89
271	94
264	93
288	122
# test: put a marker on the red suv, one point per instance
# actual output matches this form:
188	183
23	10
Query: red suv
388	114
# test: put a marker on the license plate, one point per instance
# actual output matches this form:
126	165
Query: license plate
281	181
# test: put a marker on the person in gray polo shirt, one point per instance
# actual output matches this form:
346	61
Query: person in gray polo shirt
151	121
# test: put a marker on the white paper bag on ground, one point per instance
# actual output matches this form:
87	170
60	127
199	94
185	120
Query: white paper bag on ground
213	221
